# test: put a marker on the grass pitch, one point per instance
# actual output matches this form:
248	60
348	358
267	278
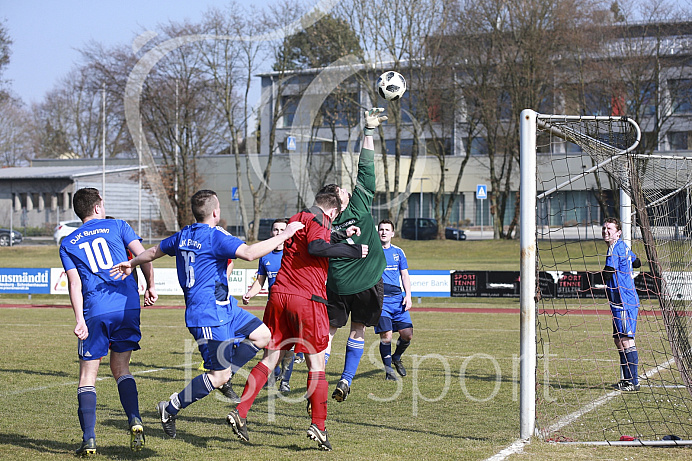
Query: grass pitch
459	400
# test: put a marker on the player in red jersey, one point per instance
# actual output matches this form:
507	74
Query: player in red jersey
296	312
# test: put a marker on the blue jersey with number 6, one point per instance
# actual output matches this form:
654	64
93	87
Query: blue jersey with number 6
93	249
201	256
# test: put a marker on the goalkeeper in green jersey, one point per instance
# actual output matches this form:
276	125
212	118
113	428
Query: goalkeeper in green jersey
354	286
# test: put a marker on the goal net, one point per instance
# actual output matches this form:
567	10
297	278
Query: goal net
580	171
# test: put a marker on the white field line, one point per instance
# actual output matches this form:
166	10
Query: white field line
519	444
104	378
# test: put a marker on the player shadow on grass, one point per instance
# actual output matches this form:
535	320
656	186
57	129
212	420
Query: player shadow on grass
259	431
55	374
46	446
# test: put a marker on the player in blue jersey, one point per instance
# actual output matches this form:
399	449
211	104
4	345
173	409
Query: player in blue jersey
395	307
106	310
624	301
213	317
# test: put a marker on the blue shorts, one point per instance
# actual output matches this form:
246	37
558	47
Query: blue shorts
118	331
624	321
216	343
394	317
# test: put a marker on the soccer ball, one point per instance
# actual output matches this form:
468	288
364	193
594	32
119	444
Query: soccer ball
391	85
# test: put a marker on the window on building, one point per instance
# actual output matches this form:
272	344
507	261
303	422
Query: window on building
289	105
642	100
681	95
678	140
405	146
340	110
478	146
650	142
439	146
348	146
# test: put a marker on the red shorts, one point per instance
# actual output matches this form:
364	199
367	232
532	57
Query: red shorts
294	320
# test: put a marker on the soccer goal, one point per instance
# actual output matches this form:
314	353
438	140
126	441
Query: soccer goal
576	171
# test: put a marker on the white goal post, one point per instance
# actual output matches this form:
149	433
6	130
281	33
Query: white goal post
573	171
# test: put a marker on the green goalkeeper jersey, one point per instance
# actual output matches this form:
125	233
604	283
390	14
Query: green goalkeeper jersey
350	276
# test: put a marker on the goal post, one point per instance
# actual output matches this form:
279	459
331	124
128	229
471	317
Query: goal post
574	172
527	274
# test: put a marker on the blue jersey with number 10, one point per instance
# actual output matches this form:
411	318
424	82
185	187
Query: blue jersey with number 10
201	256
93	249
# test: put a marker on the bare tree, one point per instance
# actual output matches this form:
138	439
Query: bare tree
15	134
5	52
508	52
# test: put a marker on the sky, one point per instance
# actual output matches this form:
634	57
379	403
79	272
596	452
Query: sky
46	34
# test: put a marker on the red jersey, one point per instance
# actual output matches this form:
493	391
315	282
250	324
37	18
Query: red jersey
301	273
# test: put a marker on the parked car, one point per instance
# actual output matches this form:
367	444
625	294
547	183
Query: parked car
65	228
427	230
419	229
452	233
5	235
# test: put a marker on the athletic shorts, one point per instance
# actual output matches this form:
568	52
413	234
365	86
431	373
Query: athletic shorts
364	307
216	343
294	320
624	321
394	317
118	331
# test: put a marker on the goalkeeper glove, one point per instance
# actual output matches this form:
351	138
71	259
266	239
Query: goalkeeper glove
608	273
373	120
637	263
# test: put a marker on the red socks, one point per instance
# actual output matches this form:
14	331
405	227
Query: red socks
317	393
258	377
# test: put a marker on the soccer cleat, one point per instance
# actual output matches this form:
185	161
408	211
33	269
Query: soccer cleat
627	386
390	376
227	390
320	437
399	367
167	421
239	425
284	388
136	435
342	390
87	448
299	359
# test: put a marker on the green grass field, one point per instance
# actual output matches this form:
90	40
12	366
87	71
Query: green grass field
459	401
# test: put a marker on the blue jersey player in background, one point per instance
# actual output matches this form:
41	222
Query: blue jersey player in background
624	302
213	317
395	307
106	310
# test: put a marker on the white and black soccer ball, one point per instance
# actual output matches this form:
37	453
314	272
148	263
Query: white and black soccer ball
391	85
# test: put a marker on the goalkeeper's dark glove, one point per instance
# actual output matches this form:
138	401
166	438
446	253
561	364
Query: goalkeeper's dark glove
608	273
637	263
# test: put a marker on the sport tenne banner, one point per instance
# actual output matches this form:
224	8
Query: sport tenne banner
554	284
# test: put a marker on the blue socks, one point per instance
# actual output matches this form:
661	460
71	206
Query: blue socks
632	361
86	410
242	354
386	354
288	371
197	389
354	352
127	388
401	346
326	358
